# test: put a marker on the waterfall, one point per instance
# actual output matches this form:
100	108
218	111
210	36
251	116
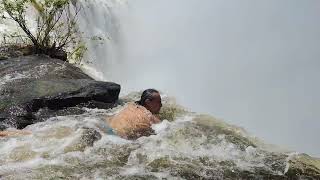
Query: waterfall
100	23
250	63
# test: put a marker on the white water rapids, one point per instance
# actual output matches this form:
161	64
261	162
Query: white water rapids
192	146
196	52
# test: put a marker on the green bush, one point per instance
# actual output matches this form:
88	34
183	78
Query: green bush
55	25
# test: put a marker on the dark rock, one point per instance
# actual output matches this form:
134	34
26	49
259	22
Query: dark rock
39	67
46	113
39	82
100	105
62	55
16	50
23	98
3	127
3	57
12	51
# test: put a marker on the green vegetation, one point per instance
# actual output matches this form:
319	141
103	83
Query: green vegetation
55	33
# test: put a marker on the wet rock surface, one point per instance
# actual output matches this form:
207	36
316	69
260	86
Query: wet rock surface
38	67
29	84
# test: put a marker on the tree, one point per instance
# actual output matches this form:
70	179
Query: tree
55	24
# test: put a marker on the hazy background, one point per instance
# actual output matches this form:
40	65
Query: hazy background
254	63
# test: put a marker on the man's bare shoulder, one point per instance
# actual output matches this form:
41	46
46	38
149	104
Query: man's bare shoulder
131	119
130	112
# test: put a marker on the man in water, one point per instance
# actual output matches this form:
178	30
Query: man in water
136	119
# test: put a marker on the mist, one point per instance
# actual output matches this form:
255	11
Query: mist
253	63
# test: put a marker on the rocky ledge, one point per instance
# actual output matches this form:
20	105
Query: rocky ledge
34	87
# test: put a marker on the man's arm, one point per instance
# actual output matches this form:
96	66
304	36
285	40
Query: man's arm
14	133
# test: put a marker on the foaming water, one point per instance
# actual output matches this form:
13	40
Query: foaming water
187	146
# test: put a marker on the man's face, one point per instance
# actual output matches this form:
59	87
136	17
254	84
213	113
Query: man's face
155	104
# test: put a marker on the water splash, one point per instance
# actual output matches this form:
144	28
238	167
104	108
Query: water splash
189	146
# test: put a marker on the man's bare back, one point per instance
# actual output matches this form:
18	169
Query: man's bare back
133	121
136	119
